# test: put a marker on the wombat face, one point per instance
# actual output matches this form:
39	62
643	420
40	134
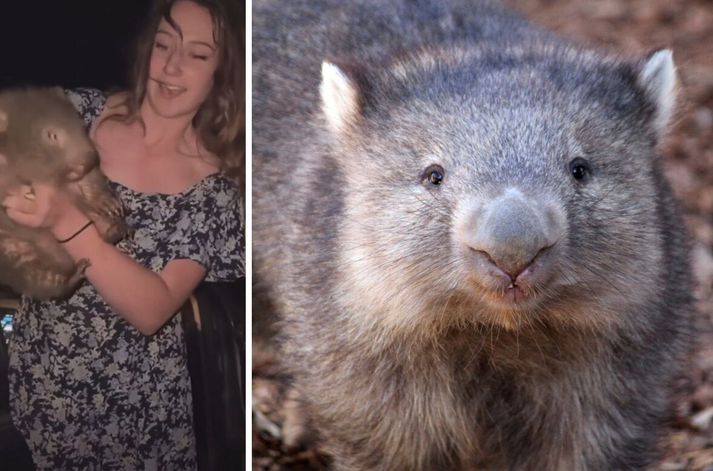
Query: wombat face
42	135
503	188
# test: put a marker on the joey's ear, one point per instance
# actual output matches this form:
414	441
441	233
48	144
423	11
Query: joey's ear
657	78
3	160
59	91
341	96
3	121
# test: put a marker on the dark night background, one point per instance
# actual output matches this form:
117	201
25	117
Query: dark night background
69	43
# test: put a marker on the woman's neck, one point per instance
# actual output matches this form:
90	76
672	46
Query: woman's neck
168	134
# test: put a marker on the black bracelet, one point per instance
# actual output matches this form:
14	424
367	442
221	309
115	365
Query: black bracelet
76	233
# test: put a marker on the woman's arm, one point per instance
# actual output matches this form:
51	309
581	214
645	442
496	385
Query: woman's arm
144	298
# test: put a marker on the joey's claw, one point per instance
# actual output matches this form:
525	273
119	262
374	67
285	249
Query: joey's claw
83	264
104	204
78	274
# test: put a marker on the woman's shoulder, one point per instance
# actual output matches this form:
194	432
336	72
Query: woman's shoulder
89	103
96	107
116	104
115	107
111	132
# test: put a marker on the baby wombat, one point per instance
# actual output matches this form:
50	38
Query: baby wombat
465	228
43	140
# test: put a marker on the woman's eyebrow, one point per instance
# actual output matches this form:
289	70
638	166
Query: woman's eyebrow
203	43
195	41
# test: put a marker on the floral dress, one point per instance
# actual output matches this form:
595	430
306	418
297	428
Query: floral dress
88	390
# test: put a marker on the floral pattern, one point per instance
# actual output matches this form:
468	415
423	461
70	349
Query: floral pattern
88	390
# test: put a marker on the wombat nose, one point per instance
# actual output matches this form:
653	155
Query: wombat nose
510	232
512	266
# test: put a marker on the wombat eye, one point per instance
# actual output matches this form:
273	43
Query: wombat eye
579	168
52	136
433	175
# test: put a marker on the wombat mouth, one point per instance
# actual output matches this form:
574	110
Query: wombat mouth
512	298
515	294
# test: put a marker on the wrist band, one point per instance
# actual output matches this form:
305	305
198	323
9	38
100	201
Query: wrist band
76	233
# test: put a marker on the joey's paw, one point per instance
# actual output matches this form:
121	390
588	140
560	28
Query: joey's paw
48	284
48	279
75	278
109	206
22	252
82	265
111	230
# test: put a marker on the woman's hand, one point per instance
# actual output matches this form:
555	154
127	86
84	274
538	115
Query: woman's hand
46	206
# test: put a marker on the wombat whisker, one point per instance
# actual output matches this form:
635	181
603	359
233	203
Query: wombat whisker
603	277
593	204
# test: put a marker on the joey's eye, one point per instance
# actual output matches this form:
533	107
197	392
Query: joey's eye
579	168
433	175
51	135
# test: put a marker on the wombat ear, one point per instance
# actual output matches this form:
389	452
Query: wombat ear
59	91
341	101
657	78
3	121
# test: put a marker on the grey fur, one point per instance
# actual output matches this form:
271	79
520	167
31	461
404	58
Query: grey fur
43	140
394	315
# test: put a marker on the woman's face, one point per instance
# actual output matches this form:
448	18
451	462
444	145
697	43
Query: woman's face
182	66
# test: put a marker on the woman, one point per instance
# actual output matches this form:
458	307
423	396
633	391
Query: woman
100	380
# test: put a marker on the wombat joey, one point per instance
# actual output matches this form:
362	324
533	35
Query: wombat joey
463	224
43	140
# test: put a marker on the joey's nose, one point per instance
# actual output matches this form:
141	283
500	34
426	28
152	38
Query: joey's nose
510	232
511	264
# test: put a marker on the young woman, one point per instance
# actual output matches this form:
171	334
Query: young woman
99	381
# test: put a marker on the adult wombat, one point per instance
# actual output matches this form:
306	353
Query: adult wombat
464	226
43	140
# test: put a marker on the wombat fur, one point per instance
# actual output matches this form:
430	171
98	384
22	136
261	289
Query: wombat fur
463	224
43	140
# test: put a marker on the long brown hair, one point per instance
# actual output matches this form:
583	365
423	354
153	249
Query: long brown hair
220	121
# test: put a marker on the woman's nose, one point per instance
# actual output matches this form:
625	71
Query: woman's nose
173	63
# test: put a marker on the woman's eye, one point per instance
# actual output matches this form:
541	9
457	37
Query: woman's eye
161	46
579	169
199	53
433	175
